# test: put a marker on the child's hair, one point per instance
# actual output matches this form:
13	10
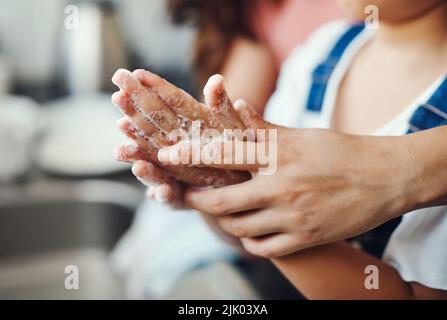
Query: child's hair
219	23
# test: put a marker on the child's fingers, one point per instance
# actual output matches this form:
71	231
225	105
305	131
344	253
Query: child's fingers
123	101
150	174
161	186
214	93
193	176
216	98
146	102
183	104
174	98
163	193
129	153
143	142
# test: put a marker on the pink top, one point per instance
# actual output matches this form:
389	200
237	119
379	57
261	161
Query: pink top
285	26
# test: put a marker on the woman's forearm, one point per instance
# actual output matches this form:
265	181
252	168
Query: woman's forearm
337	271
427	152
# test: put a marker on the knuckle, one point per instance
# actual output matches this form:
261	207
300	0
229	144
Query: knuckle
290	195
309	237
300	218
234	227
218	206
239	230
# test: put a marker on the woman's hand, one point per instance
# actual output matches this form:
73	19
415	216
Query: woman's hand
327	187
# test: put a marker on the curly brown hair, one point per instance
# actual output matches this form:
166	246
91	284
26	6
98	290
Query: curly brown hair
218	23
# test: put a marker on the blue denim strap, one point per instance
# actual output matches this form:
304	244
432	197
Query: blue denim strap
433	113
324	71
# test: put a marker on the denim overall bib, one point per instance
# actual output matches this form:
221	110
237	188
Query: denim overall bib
429	115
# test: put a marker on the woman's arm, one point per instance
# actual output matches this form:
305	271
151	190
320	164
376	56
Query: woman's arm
327	186
337	271
428	155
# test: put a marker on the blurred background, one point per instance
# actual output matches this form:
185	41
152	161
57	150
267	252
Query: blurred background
64	200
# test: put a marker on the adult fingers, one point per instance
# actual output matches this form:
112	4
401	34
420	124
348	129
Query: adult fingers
271	246
129	153
250	195
252	224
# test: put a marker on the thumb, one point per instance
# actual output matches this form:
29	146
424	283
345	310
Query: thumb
253	120
250	117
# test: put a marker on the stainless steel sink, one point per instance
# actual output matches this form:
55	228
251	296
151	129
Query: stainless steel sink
47	226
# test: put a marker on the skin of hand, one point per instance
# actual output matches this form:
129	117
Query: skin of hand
246	57
155	109
327	187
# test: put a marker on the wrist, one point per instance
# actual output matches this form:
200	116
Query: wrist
429	174
400	175
419	175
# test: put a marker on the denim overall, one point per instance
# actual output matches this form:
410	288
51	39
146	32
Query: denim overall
429	115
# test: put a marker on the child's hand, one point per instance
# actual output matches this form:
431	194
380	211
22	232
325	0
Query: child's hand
161	186
155	108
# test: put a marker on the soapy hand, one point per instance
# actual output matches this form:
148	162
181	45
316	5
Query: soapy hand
154	109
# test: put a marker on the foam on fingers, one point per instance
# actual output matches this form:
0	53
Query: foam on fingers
155	107
177	100
216	99
214	91
162	193
121	78
121	100
129	153
148	78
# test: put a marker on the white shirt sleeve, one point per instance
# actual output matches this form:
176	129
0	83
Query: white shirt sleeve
418	248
